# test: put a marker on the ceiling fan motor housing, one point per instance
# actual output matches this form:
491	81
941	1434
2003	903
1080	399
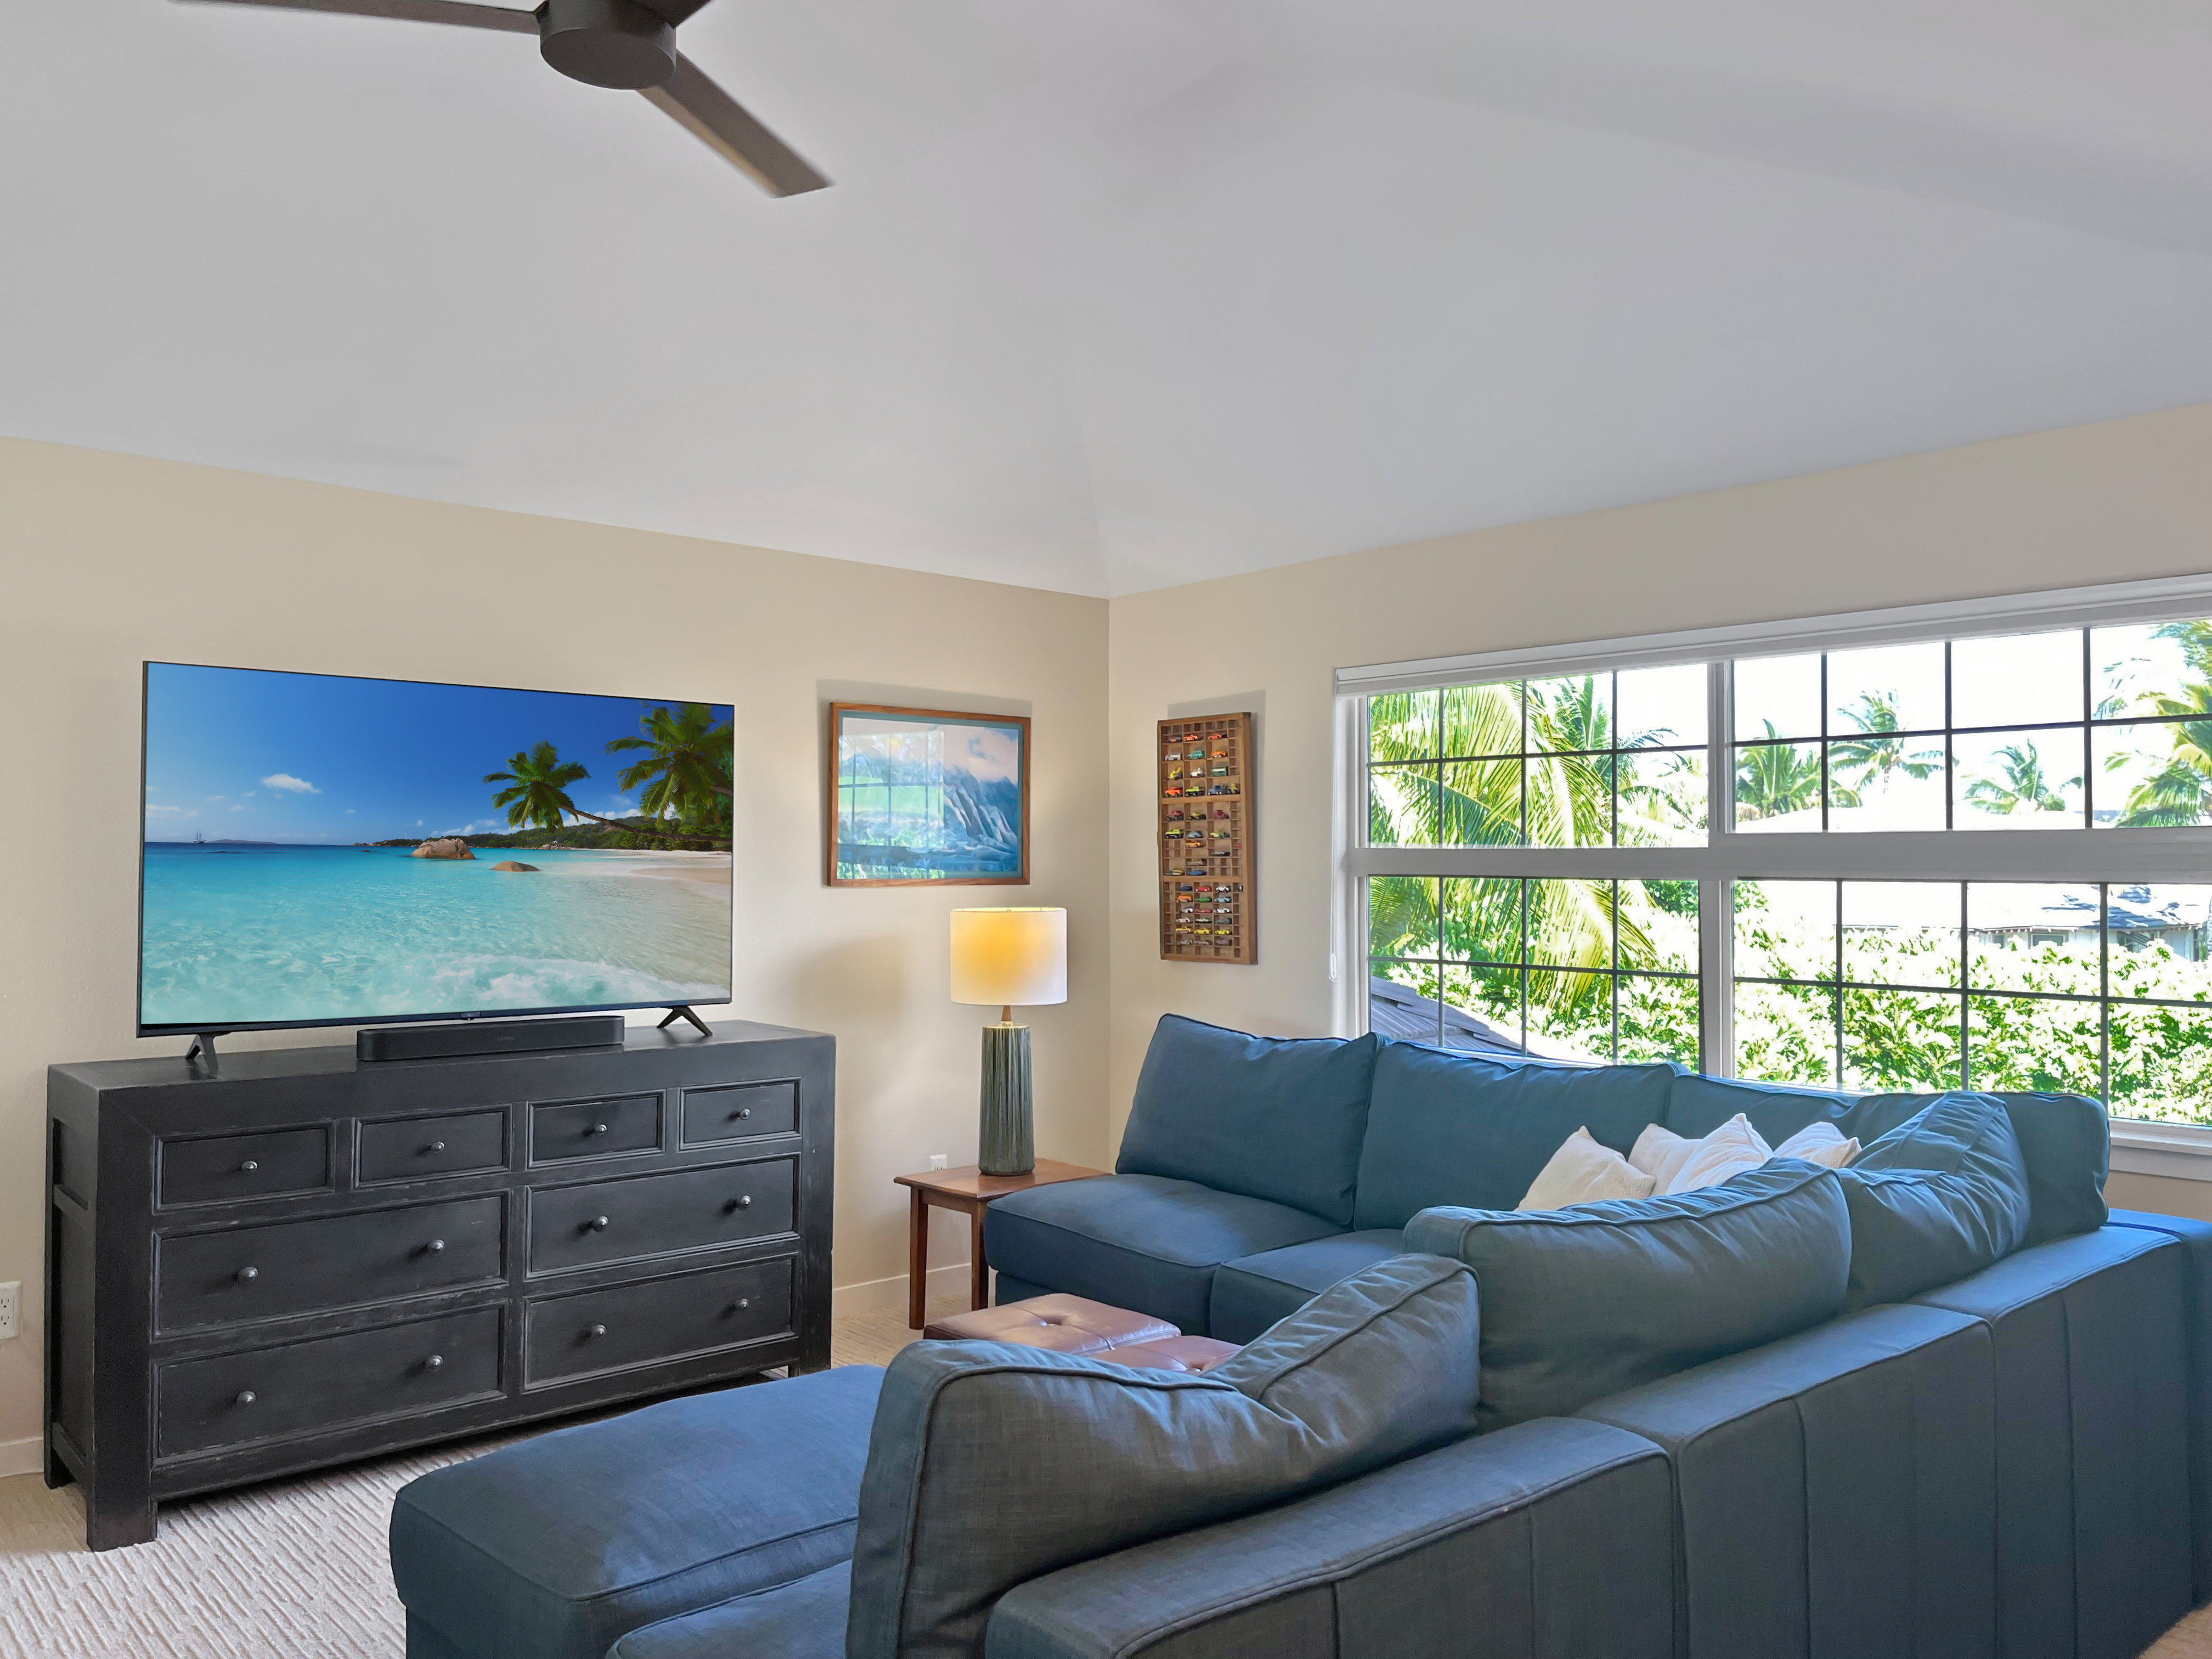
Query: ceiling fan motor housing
607	43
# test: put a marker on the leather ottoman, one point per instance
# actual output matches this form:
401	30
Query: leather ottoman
1067	1324
1074	1324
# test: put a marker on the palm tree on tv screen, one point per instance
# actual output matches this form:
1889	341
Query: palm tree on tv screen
685	772
537	796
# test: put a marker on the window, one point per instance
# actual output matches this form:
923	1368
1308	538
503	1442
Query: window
1956	847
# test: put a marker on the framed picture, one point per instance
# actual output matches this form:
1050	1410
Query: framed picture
927	795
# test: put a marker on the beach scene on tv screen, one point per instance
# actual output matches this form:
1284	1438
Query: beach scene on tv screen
325	848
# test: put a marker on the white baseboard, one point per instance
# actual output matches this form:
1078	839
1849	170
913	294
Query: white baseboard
887	1295
22	1457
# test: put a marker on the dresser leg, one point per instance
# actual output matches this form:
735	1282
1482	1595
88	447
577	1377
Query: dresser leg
110	1524
58	1473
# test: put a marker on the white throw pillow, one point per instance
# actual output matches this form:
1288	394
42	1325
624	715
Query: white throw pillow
1660	1153
1582	1171
1731	1149
1820	1143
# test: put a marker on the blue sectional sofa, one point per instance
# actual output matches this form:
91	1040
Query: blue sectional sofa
1698	1433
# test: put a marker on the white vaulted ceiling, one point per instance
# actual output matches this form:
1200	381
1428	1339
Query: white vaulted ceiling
1109	295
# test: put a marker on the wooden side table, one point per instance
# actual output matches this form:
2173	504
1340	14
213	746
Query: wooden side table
969	1191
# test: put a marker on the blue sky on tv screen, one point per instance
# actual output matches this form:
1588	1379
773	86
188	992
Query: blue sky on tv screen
254	755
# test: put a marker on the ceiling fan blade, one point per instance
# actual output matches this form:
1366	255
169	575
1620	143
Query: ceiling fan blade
718	119
413	11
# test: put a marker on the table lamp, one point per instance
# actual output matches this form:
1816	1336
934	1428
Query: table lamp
1015	959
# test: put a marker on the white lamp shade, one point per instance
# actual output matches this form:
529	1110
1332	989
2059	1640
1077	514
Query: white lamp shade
1010	958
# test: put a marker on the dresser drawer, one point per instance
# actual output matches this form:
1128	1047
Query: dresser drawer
572	1336
658	1214
267	1164
418	1148
332	1261
740	1112
594	1128
310	1388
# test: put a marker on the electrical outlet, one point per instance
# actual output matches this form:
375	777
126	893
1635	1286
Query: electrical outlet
12	1308
937	1161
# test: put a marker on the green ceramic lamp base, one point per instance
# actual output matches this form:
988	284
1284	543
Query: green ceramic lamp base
1006	1143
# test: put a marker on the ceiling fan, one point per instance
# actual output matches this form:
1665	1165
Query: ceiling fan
626	44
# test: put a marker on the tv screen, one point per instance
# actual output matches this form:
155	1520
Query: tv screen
321	850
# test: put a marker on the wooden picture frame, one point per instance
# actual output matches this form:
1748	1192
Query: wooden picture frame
899	816
1208	864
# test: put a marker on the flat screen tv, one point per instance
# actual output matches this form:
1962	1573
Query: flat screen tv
322	850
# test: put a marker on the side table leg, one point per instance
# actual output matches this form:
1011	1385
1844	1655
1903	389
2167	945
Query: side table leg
917	1258
979	1270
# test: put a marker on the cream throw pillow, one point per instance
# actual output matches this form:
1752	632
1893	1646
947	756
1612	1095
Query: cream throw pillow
1677	1165
1660	1153
1820	1143
1582	1171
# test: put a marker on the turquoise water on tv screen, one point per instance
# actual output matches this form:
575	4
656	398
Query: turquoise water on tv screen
269	934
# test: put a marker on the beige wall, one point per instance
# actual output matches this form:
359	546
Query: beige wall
107	560
2121	500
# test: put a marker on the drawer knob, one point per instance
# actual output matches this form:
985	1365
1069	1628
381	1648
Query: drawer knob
433	1362
744	1203
744	1111
434	1246
597	1129
741	1304
437	1145
245	1398
596	1330
598	1224
249	1273
249	1166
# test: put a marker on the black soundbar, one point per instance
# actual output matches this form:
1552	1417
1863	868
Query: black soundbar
499	1037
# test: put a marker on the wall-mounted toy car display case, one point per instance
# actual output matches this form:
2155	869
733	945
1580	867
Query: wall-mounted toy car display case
1209	909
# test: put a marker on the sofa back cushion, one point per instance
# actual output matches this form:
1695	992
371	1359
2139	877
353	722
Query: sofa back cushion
1474	1130
2065	1140
1277	1118
991	1464
1943	1195
1580	1304
2065	1143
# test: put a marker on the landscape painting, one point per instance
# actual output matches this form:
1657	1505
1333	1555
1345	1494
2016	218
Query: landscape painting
320	848
924	795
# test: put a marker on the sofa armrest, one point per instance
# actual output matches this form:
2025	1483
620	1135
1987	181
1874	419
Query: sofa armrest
1552	1536
2194	1238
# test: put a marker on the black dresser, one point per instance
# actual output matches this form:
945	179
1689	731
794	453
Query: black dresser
299	1259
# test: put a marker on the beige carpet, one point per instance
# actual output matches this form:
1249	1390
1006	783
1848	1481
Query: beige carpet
296	1570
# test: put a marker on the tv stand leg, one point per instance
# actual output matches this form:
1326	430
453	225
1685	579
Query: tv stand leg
113	1525
202	1049
684	1011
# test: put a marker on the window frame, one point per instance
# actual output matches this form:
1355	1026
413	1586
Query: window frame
2076	856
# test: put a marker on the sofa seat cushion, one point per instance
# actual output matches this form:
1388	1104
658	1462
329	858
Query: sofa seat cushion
1942	1195
1580	1304
803	1620
1138	1241
1475	1130
554	1547
1277	1118
990	1465
1253	1291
